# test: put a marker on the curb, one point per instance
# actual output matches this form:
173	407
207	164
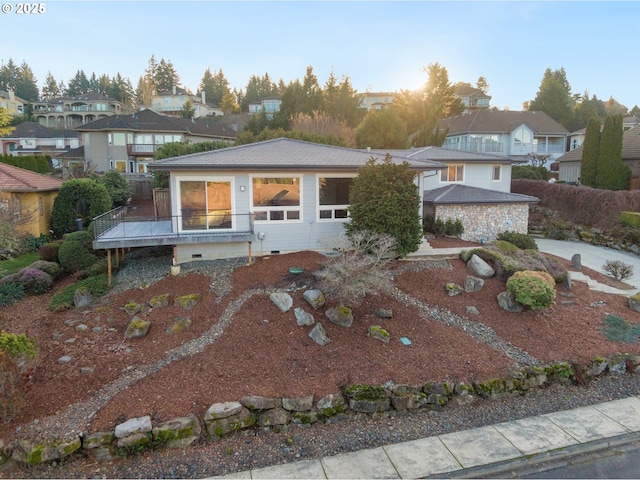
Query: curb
544	461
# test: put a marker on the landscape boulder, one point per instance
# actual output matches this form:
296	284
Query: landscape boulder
303	319
282	300
478	267
507	301
473	284
319	335
340	316
315	298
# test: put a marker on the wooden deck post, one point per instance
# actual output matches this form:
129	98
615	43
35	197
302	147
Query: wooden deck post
175	255
109	267
117	257
249	253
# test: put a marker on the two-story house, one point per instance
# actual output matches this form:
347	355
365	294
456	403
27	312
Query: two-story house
127	142
172	104
268	105
71	112
375	100
577	138
12	104
509	133
472	98
31	138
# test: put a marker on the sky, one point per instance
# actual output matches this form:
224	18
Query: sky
381	46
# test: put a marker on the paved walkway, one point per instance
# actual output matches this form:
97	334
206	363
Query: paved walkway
517	445
505	447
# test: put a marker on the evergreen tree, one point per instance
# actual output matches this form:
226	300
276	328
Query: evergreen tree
554	97
144	91
188	110
589	162
5	122
385	199
50	88
312	93
214	86
612	173
482	85
166	76
382	129
9	75
78	85
26	86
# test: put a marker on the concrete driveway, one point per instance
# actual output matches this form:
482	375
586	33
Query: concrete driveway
592	256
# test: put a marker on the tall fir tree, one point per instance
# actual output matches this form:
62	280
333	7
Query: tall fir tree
612	173
554	97
589	162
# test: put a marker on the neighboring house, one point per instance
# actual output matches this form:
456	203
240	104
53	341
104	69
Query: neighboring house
375	100
29	196
513	134
269	106
570	163
475	189
70	112
31	138
172	104
577	138
472	98
127	142
269	197
72	163
14	105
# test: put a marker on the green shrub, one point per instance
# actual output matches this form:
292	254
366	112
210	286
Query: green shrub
520	240
63	300
10	293
49	252
532	288
32	244
76	253
506	247
52	268
79	198
34	281
18	345
442	228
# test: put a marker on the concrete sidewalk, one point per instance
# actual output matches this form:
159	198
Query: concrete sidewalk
516	445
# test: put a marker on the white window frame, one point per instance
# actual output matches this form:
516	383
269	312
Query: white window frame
458	167
498	169
333	208
270	211
205	179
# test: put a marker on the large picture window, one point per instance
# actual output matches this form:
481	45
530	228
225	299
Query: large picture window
276	199
205	205
454	173
333	197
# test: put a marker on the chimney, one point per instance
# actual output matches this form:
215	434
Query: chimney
203	97
174	89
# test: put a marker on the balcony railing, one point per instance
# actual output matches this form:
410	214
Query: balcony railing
543	148
116	228
141	149
475	147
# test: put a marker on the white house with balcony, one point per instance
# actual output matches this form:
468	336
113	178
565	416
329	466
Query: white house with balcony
472	98
12	104
31	138
513	134
375	100
128	142
172	104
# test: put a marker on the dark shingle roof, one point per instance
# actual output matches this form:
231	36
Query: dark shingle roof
150	121
630	147
499	121
73	153
282	153
15	179
463	194
35	130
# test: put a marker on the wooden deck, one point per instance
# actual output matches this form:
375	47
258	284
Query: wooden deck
148	233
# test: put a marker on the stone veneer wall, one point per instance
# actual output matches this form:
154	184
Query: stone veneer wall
483	222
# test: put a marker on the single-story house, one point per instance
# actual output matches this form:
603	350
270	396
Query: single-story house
570	163
29	196
269	197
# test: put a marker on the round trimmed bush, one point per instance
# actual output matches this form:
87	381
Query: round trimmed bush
78	198
76	253
49	252
534	289
34	281
52	268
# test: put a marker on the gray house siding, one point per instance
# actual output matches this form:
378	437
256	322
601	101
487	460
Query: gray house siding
475	175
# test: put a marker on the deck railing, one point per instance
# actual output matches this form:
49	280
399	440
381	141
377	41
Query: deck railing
108	220
189	223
